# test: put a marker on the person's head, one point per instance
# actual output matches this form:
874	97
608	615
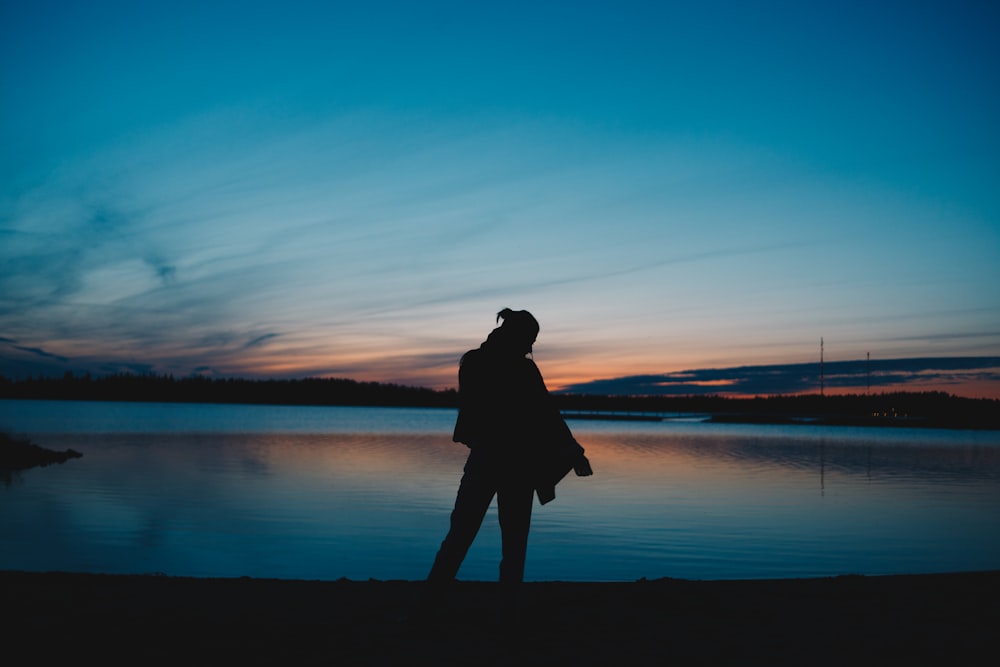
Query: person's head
516	334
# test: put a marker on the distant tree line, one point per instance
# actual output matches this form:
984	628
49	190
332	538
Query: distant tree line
907	408
930	409
198	389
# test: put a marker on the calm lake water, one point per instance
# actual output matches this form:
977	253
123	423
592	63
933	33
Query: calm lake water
330	492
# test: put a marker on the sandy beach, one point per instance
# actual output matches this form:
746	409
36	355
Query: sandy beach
906	619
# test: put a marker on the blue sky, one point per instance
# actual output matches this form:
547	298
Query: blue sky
355	189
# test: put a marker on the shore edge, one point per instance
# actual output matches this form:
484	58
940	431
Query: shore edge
894	619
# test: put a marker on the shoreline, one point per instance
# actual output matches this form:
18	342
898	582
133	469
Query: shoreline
898	409
892	619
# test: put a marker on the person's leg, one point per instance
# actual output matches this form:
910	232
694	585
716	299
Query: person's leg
474	495
514	509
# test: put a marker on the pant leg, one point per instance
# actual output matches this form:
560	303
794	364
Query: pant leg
514	509
475	493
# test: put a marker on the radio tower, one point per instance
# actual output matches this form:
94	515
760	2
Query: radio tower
868	372
821	377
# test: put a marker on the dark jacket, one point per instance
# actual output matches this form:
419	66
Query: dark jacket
509	420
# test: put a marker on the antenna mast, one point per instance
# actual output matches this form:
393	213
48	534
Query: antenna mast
822	379
868	371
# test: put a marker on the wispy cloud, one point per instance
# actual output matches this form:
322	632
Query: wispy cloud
261	340
35	351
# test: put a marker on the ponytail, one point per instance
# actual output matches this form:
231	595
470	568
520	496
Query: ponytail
505	313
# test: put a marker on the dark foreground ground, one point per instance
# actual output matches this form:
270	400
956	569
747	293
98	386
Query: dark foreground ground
946	619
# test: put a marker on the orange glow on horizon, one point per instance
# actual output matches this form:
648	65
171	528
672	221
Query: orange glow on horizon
561	372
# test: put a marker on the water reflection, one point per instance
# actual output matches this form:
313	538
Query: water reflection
690	501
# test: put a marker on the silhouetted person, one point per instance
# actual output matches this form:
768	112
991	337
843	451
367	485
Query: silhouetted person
519	445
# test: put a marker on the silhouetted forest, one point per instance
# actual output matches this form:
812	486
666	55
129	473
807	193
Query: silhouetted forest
197	389
927	409
932	409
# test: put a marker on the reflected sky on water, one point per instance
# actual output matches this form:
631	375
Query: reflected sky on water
324	493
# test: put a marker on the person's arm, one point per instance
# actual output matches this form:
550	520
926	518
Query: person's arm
559	429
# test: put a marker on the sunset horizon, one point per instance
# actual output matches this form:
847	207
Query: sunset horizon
966	377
